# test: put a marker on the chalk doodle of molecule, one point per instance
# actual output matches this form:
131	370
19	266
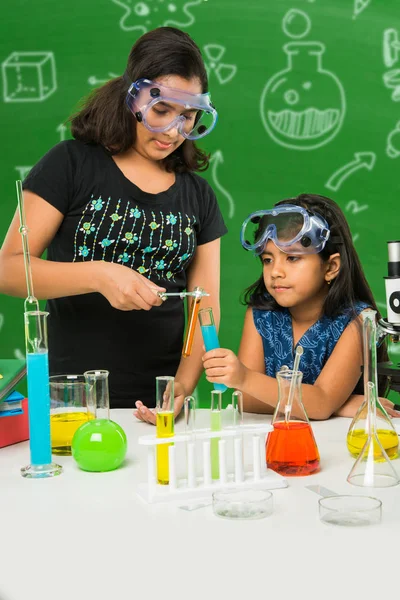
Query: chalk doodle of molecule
141	16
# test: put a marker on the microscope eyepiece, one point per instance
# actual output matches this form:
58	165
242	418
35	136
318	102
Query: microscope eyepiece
394	258
392	283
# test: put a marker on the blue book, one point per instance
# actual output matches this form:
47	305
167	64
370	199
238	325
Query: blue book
11	405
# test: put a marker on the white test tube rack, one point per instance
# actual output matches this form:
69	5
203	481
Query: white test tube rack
197	485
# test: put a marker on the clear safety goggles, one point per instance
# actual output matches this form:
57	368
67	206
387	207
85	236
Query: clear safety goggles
293	230
161	108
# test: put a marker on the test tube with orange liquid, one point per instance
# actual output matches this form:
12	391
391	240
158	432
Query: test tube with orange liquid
192	321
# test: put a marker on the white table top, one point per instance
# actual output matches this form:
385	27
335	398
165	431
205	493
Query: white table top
89	536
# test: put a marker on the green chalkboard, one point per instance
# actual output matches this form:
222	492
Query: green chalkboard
308	95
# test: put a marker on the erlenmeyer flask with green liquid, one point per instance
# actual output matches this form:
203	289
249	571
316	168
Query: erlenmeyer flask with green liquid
358	434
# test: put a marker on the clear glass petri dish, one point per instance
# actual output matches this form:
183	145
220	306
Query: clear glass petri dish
350	511
242	504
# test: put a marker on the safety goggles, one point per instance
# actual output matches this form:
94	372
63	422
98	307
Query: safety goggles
161	108
293	230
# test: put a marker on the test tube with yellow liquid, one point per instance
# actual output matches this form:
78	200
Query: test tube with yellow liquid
164	424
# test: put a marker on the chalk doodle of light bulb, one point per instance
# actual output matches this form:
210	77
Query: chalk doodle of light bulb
223	71
303	106
141	16
393	142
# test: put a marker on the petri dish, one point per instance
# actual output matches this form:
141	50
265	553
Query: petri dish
350	511
242	504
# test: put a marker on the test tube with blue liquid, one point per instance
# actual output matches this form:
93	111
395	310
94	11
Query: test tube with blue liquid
37	362
210	337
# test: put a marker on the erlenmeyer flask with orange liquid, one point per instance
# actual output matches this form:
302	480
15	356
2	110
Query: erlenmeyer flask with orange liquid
291	448
358	434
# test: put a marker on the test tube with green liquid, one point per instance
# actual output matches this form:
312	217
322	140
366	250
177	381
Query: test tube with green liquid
164	424
215	425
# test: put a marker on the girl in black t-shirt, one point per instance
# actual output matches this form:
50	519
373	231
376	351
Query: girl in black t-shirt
123	216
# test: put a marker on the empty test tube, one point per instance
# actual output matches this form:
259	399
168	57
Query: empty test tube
190	426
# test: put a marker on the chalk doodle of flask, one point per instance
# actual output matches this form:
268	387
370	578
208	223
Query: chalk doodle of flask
303	106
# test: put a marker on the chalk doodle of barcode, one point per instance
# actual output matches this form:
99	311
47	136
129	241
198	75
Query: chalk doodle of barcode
391	50
142	16
223	71
359	7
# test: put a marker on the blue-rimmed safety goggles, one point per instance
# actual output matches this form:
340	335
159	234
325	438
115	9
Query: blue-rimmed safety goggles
293	230
161	108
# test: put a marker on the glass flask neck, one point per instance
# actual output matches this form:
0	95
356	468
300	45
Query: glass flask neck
97	382
369	350
306	56
289	391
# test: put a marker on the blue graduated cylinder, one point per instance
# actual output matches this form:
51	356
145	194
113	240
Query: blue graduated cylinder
39	407
210	338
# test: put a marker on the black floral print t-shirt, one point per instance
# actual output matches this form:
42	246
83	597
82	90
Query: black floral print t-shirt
107	217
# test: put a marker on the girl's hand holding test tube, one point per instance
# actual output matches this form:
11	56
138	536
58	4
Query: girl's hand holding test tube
223	366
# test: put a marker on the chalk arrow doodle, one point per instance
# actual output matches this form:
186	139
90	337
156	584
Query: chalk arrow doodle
217	159
61	129
362	160
359	7
93	80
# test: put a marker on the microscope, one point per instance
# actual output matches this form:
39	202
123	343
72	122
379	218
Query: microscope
391	326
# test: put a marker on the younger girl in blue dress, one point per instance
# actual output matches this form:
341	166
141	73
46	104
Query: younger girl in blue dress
311	292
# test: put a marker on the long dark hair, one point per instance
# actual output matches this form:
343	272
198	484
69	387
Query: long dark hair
104	118
350	285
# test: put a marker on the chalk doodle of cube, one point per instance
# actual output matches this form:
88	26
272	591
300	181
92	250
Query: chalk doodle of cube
28	76
200	483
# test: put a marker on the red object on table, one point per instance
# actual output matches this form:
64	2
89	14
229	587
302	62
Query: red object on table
14	429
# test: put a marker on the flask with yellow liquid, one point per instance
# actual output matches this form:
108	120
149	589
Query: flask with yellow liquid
357	434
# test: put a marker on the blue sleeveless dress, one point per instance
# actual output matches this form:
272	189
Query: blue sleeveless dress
318	342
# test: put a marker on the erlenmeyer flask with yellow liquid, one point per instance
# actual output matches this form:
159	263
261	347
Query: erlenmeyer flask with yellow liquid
358	434
291	448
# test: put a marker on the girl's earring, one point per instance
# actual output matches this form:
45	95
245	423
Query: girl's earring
329	282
